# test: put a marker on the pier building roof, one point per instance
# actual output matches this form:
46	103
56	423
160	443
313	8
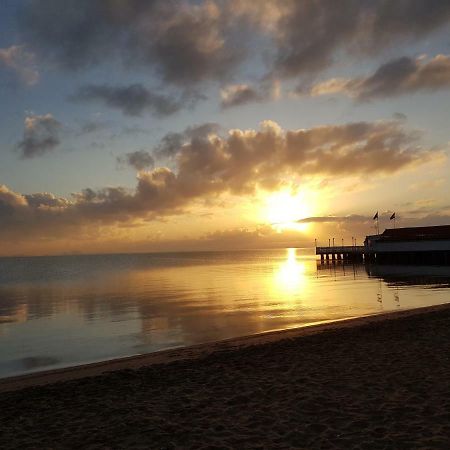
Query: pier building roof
414	233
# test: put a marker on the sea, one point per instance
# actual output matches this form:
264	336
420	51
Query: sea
61	311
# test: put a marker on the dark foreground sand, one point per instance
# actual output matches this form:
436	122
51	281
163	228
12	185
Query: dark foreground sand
376	384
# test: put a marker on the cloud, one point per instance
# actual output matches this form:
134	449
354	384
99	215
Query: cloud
261	236
140	160
21	62
189	42
397	77
92	126
435	184
10	201
309	33
45	199
184	42
399	116
333	219
132	100
241	94
245	159
207	164
238	94
172	142
40	136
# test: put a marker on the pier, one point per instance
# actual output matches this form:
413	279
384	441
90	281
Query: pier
414	245
341	252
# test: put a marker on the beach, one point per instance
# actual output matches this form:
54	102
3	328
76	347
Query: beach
373	382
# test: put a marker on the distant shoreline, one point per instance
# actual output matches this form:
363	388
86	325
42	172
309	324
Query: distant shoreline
155	252
202	350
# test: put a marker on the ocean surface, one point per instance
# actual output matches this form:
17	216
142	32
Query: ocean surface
67	310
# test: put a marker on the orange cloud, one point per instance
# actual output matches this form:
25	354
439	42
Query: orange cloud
18	59
397	77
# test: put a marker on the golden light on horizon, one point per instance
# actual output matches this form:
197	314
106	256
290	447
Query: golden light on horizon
284	209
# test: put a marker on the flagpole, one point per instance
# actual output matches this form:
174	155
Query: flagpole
377	229
393	217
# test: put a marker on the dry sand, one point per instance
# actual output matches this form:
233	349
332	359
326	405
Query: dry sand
379	382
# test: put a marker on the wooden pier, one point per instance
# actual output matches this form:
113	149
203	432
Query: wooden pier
341	252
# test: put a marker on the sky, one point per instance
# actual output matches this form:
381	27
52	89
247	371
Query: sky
177	125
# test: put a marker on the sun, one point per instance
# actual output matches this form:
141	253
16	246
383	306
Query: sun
284	209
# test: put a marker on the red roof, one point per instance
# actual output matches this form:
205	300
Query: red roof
417	233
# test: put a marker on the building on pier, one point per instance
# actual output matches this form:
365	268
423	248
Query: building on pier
427	245
414	244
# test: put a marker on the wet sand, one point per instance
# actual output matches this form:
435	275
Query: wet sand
376	382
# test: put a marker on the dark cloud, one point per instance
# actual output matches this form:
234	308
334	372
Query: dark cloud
40	136
132	100
397	77
194	44
172	142
186	42
45	199
407	17
140	160
90	30
241	94
310	32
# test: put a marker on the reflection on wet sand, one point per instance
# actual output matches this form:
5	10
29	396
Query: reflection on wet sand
128	304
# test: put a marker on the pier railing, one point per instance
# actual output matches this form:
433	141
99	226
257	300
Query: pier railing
341	249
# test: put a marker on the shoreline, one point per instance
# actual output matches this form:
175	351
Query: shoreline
373	382
199	351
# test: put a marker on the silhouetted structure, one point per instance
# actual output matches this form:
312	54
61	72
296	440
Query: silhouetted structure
425	245
341	252
410	245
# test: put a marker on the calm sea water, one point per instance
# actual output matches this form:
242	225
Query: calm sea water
67	310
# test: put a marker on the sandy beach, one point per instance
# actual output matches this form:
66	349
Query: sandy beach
376	382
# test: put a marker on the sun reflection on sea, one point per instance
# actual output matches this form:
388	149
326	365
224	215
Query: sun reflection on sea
291	276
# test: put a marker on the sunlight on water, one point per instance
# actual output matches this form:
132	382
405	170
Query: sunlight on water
60	311
291	276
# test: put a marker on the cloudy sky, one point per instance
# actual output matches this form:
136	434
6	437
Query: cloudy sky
162	125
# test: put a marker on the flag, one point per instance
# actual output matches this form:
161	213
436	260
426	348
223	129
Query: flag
392	217
375	216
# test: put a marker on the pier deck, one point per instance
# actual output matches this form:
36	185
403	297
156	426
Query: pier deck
346	252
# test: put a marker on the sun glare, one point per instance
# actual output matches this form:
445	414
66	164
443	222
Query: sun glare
284	209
